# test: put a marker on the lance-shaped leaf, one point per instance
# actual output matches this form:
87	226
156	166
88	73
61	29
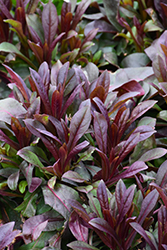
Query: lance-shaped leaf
19	83
111	9
147	206
28	206
140	109
13	180
103	226
58	197
161	192
100	129
7	235
10	48
152	154
49	22
161	177
74	176
102	195
83	5
80	245
79	124
33	126
126	203
7	140
143	233
30	157
135	168
39	83
77	228
79	209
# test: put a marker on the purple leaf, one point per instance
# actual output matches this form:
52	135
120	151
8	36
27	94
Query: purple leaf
19	83
62	76
100	129
102	225
77	228
161	192
142	232
79	124
161	177
147	206
79	209
141	108
49	22
126	203
83	5
102	196
80	245
152	154
39	83
7	235
135	168
33	126
7	140
10	107
58	197
35	183
104	81
119	193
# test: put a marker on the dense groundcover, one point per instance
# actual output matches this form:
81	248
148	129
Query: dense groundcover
83	124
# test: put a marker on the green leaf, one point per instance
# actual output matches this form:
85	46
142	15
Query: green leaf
10	48
28	206
30	157
80	245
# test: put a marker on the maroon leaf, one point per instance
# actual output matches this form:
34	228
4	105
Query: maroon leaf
119	193
126	203
19	83
100	129
161	177
135	168
104	81
142	232
7	140
103	226
83	5
161	192
79	209
147	206
102	195
77	228
141	109
79	125
49	22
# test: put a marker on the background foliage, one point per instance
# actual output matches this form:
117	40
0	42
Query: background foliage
83	125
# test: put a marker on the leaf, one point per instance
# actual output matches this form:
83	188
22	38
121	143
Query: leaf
49	22
13	180
7	235
30	157
79	209
152	154
103	226
74	176
28	206
102	196
161	177
147	206
161	192
111	9
142	232
141	108
100	129
10	107
58	197
119	193
79	125
80	245
77	228
10	48
83	5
